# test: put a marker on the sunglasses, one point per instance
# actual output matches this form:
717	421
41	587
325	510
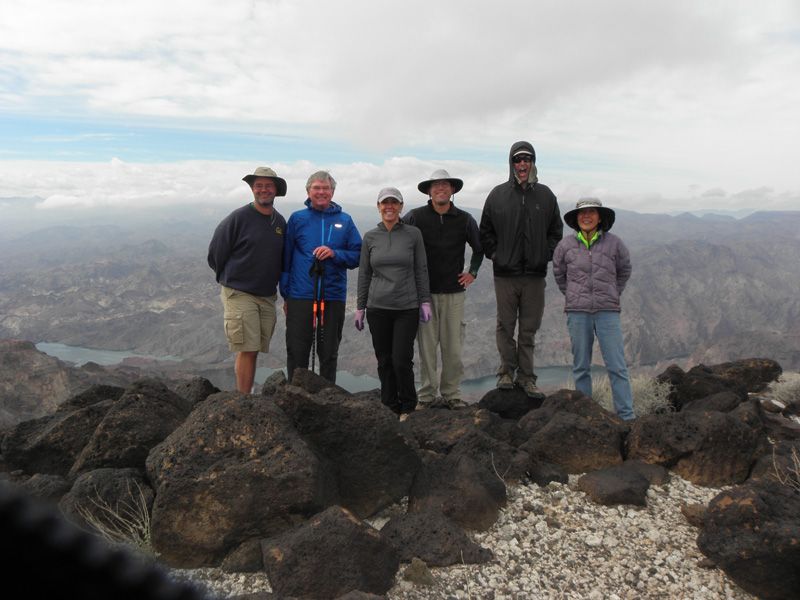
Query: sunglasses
522	158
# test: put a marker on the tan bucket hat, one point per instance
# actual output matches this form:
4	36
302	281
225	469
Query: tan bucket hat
280	184
607	216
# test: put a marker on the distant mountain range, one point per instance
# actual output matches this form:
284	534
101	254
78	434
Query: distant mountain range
704	289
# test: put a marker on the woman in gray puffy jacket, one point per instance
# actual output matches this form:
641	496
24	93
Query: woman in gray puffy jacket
591	269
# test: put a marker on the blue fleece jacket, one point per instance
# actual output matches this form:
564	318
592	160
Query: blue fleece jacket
308	229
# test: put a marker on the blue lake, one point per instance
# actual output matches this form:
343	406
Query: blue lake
80	356
549	377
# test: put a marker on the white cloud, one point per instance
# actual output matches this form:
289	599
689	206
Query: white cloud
71	186
623	97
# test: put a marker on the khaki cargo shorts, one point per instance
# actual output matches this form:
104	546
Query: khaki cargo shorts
249	320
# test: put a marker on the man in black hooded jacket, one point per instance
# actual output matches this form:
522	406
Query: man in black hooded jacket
520	228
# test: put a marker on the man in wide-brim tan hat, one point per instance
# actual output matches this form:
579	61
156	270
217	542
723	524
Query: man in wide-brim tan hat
245	253
446	230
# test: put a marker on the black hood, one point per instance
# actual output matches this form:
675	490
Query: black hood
512	175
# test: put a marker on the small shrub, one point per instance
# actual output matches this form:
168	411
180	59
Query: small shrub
127	524
650	396
791	475
785	389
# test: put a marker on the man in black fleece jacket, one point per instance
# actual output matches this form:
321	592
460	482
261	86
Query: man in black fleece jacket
446	230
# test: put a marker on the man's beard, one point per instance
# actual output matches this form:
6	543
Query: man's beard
264	203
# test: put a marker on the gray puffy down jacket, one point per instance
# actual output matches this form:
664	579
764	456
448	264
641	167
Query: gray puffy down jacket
593	278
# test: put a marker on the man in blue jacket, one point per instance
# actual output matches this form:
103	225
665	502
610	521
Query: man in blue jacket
322	242
245	254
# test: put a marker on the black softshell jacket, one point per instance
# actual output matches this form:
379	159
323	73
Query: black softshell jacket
520	227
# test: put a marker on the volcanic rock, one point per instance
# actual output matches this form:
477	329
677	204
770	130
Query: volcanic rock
52	443
123	438
755	374
543	475
699	382
655	474
196	390
330	555
615	485
97	393
48	488
720	402
751	532
509	404
376	458
477	433
236	469
456	485
711	448
575	443
435	539
99	493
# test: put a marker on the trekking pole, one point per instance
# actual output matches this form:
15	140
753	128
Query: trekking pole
315	270
321	311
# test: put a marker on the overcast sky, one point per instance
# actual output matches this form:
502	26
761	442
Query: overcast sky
651	106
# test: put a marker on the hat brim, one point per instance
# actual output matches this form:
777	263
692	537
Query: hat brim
280	183
456	184
607	217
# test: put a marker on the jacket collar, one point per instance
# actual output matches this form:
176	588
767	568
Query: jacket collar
450	211
382	227
333	208
597	237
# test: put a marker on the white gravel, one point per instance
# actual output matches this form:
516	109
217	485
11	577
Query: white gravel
554	543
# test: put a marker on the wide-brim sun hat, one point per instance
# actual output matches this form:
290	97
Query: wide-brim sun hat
390	192
439	175
280	184
607	216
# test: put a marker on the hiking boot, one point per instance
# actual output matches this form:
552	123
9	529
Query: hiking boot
505	382
422	404
437	402
532	391
456	404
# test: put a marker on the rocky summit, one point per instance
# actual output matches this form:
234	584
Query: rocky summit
322	494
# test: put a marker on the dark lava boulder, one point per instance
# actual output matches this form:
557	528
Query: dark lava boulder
709	448
457	486
376	458
333	553
751	532
235	470
145	414
434	538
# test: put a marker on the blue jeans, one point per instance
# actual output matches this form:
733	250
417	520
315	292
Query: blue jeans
606	324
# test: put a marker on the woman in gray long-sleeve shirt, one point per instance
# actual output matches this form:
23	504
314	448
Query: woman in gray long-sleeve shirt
393	290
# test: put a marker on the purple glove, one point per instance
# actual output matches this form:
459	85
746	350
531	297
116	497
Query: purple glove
425	312
359	319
